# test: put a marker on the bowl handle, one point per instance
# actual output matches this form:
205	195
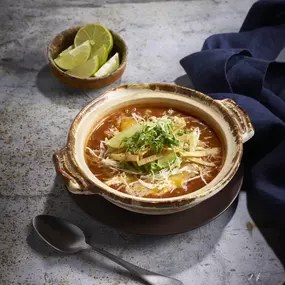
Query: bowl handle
73	180
241	118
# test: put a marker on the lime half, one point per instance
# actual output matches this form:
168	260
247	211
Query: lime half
102	54
111	65
66	50
97	34
74	57
86	69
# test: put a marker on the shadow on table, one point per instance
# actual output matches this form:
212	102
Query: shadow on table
165	254
184	81
61	94
273	233
49	86
59	204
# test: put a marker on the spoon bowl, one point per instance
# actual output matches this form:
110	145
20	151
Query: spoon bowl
60	234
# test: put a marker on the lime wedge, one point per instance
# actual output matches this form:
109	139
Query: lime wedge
97	34
111	65
74	57
86	69
102	54
66	50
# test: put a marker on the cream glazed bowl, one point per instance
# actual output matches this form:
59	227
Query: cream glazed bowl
230	122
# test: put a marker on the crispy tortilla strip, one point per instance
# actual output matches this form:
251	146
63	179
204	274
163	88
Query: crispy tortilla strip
202	162
150	159
153	157
201	153
124	157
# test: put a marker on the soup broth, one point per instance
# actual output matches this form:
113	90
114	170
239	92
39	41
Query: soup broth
154	152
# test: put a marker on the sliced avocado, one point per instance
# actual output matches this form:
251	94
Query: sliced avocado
116	140
164	161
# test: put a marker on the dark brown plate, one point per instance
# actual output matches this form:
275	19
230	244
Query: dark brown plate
107	213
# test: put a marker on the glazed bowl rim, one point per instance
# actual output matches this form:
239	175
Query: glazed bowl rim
186	197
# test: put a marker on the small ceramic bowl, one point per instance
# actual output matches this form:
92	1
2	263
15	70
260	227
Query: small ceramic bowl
229	121
64	40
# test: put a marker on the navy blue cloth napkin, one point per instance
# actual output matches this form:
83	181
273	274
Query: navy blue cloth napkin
241	66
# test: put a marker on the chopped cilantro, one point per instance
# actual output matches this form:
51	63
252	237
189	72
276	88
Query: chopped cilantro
180	133
154	136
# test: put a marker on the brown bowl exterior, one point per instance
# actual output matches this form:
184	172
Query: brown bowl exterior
64	40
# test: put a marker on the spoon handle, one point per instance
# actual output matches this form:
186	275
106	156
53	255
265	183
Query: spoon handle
148	276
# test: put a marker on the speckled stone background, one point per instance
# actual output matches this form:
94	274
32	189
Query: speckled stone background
36	112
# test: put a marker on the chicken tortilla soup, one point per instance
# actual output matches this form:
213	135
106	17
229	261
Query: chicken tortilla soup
154	152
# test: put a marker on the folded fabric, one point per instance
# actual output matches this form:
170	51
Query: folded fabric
240	66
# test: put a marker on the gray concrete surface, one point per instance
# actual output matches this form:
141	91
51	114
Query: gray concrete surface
36	112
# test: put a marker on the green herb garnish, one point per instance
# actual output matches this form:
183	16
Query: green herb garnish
154	136
180	133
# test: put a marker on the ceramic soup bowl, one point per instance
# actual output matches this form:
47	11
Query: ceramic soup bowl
230	122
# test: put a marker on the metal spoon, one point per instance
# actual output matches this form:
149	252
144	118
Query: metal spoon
68	238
